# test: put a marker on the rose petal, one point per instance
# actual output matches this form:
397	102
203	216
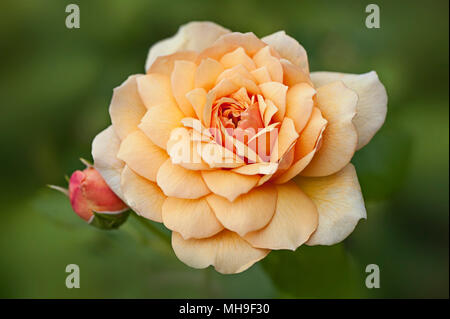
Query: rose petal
372	100
155	89
126	108
299	104
264	59
292	224
276	92
183	151
338	105
104	150
159	121
195	36
226	251
237	57
197	98
340	204
293	74
306	146
230	42
248	212
228	184
141	155
288	48
309	136
261	75
191	218
182	82
207	73
177	181
286	137
143	196
165	64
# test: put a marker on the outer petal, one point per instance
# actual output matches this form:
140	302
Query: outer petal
294	221
104	152
372	100
126	108
155	89
177	181
141	155
340	204
248	212
228	184
288	48
143	196
226	251
232	41
159	121
182	82
195	36
338	105
165	64
191	218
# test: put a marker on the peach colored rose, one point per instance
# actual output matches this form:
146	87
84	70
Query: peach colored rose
269	145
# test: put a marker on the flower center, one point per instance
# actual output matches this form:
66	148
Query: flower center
237	118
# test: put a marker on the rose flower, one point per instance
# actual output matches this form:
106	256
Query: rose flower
231	143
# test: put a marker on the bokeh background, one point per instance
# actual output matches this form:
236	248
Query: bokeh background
56	85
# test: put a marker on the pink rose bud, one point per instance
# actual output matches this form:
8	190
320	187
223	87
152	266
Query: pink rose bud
93	200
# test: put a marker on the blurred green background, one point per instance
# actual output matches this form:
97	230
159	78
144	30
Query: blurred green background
56	85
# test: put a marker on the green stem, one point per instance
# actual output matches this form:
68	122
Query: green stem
149	226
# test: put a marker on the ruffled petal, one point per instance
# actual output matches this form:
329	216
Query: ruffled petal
299	104
143	196
165	64
104	152
141	155
230	42
159	121
237	57
372	100
195	36
265	59
276	92
207	73
155	89
248	212
126	108
226	251
287	136
340	204
191	218
182	80
177	181
293	223
228	184
338	105
288	48
306	146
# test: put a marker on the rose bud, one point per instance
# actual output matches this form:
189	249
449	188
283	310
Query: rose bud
93	200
